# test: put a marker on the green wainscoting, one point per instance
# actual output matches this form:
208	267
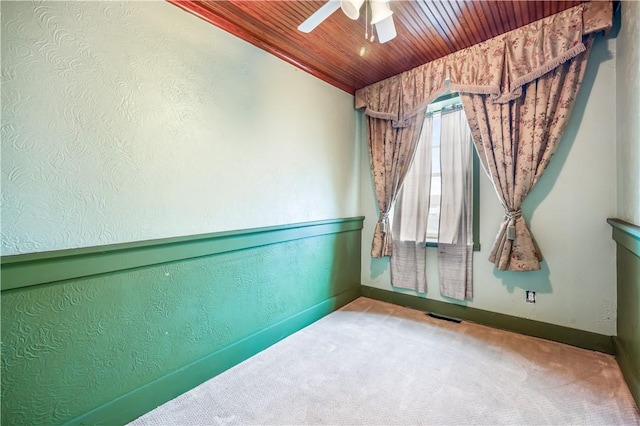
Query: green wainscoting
102	335
627	342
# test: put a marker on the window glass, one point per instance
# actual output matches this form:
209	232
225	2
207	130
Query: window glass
434	199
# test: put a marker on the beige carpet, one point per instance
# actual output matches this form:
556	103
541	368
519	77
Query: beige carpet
376	363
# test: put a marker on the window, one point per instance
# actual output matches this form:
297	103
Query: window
422	178
435	193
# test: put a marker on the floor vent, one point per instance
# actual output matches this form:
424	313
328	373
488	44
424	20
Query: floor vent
445	318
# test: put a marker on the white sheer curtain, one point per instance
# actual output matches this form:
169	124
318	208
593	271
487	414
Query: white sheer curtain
455	235
411	212
409	226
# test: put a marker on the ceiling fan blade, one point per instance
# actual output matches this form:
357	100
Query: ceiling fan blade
386	29
319	15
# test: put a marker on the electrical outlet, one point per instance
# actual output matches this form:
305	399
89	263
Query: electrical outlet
531	296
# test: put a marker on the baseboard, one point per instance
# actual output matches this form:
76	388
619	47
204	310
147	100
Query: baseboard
150	396
570	336
630	370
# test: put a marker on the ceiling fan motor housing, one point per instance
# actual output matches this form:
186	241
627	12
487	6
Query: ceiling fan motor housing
351	8
381	16
379	11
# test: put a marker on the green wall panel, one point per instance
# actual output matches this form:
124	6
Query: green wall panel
628	339
77	345
627	237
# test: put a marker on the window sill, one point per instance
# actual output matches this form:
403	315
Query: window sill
476	247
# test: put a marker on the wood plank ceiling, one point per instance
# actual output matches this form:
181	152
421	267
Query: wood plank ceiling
337	51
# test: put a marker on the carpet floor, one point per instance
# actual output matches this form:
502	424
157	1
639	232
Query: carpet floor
373	363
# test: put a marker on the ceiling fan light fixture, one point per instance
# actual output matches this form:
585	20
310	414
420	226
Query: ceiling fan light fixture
386	29
381	17
379	11
351	8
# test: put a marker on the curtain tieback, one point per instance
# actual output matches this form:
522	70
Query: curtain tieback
384	220
512	215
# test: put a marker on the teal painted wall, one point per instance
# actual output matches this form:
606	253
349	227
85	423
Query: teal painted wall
628	192
77	345
135	120
579	255
628	112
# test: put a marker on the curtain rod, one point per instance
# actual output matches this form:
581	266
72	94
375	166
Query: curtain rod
446	97
448	108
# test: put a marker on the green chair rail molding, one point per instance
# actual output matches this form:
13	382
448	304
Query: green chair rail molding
37	268
626	234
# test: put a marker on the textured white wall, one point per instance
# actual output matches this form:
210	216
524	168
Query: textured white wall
126	121
628	113
567	212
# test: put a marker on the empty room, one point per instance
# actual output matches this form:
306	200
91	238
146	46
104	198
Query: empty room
344	212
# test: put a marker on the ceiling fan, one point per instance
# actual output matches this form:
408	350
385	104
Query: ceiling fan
381	16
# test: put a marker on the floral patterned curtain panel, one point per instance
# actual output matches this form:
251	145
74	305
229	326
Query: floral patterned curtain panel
515	142
392	144
501	69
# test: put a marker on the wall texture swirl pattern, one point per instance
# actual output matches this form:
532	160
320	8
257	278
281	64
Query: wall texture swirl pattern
127	121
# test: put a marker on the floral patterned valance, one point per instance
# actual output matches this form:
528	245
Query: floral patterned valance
499	66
